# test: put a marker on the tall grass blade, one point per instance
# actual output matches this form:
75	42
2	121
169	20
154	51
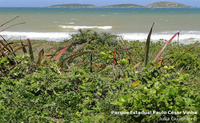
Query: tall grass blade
178	64
135	83
83	45
185	53
16	45
24	49
49	53
102	70
90	54
30	49
7	43
114	65
19	48
159	62
12	60
178	38
114	61
166	45
2	52
147	46
5	46
8	21
91	62
137	64
127	50
181	72
196	74
95	65
12	26
62	51
41	54
72	57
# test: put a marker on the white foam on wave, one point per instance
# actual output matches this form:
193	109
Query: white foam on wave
71	23
86	27
185	38
48	36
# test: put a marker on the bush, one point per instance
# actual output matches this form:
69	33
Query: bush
97	86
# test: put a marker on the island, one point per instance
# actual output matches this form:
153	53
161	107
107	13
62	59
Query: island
153	5
168	5
73	6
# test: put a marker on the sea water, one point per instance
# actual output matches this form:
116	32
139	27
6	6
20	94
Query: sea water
57	24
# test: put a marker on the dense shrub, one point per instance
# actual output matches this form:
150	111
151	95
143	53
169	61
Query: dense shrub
97	90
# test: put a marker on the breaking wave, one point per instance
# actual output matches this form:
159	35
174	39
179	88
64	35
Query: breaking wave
86	27
185	37
48	36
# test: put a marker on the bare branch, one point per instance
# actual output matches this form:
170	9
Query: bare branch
9	21
12	26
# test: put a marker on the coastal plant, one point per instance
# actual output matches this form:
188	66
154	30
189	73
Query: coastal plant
166	45
147	46
161	92
93	77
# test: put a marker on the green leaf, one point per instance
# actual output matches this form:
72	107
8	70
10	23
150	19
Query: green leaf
30	49
41	54
172	91
189	101
147	46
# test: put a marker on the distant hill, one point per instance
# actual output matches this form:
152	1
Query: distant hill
153	5
123	6
167	5
73	6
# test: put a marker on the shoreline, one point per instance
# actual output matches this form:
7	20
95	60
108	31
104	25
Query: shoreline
184	38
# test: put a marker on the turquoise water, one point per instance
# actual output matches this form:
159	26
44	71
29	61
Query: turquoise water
132	24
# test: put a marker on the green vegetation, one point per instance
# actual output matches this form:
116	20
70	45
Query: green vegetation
73	6
167	5
153	5
95	77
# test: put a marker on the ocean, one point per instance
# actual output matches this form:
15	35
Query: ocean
57	24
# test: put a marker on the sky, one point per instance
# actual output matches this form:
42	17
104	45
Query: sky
41	3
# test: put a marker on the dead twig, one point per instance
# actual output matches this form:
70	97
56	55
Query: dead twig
12	26
9	21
